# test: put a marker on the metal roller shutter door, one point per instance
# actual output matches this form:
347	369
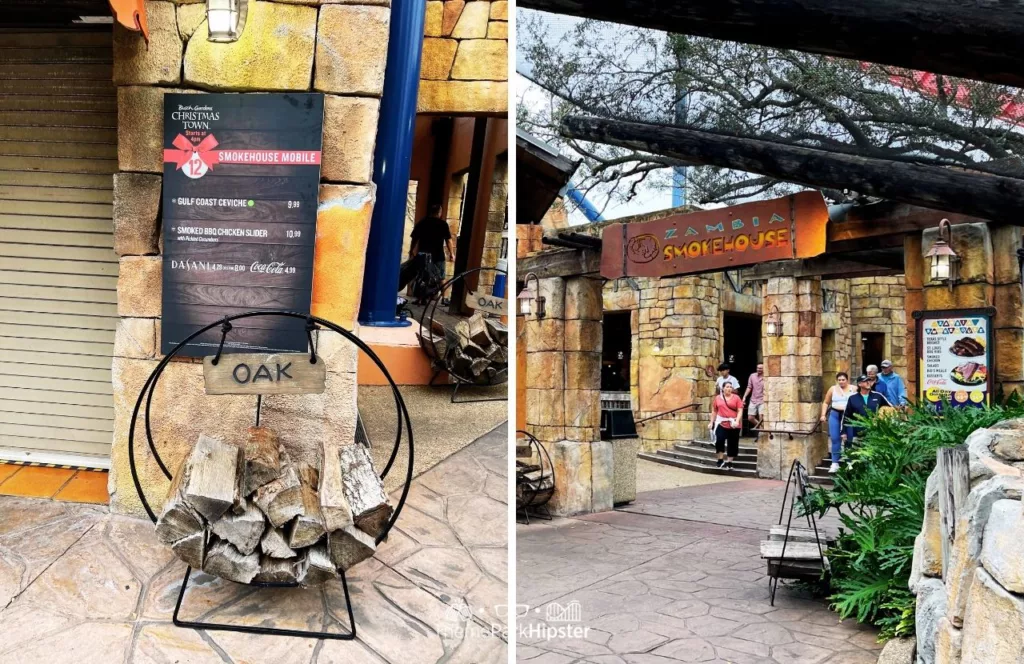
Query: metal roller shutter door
58	269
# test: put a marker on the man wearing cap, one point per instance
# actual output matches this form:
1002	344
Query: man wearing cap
897	390
866	400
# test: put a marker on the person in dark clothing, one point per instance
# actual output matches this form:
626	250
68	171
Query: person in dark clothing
866	400
432	236
425	267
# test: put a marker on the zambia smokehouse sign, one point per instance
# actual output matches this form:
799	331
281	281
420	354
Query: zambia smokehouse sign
240	193
709	240
955	357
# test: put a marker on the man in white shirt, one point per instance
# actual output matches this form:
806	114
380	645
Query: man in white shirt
724	377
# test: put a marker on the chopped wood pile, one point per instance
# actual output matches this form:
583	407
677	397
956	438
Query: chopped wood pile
253	515
476	349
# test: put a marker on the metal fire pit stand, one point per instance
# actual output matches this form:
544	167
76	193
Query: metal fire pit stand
432	351
535	484
312	323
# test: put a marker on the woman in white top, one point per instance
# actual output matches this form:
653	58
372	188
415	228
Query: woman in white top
832	409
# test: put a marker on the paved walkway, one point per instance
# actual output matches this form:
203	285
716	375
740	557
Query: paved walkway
675	577
81	586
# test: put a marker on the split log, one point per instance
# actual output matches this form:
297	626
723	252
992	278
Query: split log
308	526
243	530
349	546
478	330
192	549
334	505
275	545
178	520
497	330
364	490
979	194
281	499
213	480
275	570
227	562
318	566
262	459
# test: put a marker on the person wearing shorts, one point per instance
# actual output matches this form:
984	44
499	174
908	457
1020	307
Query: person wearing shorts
726	411
755	392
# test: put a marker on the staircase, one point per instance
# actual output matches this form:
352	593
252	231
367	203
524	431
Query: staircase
699	456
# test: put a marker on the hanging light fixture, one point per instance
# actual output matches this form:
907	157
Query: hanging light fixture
225	19
773	326
945	263
526	299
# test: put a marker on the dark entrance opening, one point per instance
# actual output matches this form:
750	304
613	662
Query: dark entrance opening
741	343
872	349
616	409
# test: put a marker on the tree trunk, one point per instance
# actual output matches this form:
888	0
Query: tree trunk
968	38
993	197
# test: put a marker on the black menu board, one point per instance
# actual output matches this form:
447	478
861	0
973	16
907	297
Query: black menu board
240	192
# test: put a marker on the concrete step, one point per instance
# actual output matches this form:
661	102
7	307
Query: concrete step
709	453
710	445
705	460
696	467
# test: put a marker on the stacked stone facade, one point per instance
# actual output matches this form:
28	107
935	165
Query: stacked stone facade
465	58
970	601
877	305
337	49
497	214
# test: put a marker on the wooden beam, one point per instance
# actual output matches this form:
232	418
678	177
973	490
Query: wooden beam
889	218
559	263
969	38
993	197
822	266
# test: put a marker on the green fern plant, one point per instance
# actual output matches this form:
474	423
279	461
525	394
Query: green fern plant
879	499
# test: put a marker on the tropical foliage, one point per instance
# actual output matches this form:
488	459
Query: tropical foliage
880	499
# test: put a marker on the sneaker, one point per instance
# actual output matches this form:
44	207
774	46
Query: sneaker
729	465
719	463
833	469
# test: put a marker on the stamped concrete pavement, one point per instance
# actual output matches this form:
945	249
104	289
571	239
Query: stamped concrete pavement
81	586
675	577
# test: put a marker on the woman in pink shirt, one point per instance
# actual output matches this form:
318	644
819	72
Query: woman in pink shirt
726	409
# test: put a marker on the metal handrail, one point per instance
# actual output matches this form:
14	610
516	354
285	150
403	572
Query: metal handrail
667	412
790	433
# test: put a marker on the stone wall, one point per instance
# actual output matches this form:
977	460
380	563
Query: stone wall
837	353
989	277
337	49
877	305
974	611
465	58
497	213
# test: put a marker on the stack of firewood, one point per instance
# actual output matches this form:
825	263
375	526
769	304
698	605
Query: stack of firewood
476	349
253	515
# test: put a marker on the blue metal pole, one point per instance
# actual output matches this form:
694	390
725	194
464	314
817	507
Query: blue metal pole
391	162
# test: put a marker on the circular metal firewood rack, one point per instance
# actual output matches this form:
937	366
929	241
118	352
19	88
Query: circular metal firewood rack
535	483
313	323
438	359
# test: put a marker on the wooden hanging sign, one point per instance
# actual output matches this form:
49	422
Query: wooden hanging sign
260	373
489	304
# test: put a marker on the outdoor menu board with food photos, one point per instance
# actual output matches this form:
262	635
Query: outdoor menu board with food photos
240	192
955	353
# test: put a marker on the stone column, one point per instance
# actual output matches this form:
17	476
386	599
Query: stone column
989	277
793	381
679	335
563	365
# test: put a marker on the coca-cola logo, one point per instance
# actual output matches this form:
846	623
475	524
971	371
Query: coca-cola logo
267	268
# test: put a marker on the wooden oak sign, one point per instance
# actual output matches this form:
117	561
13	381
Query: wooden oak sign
240	194
256	373
489	304
713	240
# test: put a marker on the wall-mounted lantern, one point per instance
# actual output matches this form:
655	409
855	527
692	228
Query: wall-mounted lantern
773	326
526	298
225	19
945	263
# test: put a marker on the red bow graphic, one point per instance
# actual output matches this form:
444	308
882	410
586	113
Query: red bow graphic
205	150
